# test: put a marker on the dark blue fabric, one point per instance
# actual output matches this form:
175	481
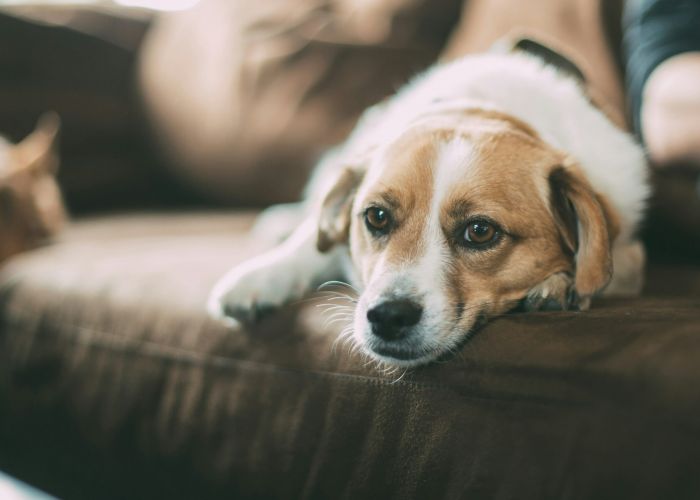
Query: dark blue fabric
656	30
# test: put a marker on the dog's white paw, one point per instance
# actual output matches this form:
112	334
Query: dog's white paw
252	290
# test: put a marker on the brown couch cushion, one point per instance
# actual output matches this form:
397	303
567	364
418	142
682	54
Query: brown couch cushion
113	383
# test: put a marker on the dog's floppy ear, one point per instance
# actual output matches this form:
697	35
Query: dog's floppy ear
334	216
587	228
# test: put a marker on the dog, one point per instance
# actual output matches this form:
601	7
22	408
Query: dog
486	184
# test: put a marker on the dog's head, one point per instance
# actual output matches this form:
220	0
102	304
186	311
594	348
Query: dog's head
455	221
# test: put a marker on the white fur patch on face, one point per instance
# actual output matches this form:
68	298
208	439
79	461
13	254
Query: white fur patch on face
453	162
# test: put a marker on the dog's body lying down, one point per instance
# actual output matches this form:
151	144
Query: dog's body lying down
487	183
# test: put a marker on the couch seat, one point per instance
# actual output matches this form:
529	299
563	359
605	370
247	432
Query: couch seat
113	382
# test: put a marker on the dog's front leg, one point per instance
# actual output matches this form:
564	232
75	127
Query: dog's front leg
285	273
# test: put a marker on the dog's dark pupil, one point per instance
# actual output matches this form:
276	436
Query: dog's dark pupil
480	231
379	217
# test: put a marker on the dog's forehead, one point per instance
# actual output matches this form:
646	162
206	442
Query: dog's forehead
403	170
503	167
491	161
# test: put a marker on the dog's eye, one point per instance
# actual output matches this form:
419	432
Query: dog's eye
377	219
480	233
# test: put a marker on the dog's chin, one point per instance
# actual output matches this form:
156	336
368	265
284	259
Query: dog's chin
410	356
401	356
414	351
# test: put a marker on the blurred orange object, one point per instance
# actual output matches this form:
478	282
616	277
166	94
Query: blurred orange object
31	205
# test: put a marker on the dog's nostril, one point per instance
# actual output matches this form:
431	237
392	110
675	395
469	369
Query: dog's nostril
389	317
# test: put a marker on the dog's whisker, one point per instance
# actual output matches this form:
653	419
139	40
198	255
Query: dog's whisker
316	297
327	314
329	324
323	296
356	348
344	333
388	370
396	381
345	297
336	320
334	306
338	312
369	361
337	307
332	314
335	295
339	315
333	283
338	341
346	346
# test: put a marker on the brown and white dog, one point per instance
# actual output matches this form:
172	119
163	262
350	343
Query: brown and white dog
486	183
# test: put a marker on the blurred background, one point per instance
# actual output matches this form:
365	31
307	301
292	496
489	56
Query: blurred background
79	60
199	102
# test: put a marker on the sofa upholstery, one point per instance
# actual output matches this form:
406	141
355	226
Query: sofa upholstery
114	383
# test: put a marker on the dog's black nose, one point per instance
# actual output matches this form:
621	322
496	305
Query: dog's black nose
390	319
